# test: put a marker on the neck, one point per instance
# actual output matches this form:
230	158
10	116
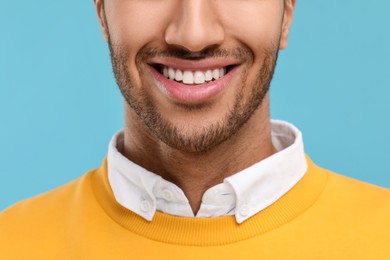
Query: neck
194	173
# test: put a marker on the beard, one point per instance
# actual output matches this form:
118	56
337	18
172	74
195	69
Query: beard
205	137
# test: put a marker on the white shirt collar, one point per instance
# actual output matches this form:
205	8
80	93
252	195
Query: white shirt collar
243	194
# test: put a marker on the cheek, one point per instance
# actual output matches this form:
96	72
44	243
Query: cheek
135	23
254	23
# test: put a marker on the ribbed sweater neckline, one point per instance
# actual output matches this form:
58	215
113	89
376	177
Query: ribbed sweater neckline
211	231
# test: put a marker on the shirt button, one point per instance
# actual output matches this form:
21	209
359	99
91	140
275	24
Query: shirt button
244	210
145	206
168	195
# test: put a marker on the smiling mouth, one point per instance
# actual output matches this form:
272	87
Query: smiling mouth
193	77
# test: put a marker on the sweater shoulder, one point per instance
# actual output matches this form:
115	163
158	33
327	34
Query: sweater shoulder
362	201
348	187
46	225
43	209
46	200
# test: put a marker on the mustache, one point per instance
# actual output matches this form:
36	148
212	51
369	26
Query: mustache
240	53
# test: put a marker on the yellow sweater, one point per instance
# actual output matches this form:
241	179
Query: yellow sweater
325	216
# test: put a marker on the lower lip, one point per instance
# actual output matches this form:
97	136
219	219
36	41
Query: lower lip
191	94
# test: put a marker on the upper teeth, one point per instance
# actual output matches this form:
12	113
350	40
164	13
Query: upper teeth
193	77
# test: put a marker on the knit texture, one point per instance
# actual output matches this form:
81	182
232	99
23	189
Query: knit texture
325	216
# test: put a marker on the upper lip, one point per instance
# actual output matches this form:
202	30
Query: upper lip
194	65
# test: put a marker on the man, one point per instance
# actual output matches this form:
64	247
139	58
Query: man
200	170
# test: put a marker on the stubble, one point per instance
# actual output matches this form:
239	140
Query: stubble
209	136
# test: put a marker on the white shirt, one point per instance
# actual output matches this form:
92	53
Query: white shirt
243	194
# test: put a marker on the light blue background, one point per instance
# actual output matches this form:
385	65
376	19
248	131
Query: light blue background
59	104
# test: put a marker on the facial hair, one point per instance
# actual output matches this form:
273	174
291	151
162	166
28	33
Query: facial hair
209	136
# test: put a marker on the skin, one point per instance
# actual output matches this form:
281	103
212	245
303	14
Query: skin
170	145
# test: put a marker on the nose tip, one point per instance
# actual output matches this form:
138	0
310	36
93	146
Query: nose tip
196	26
